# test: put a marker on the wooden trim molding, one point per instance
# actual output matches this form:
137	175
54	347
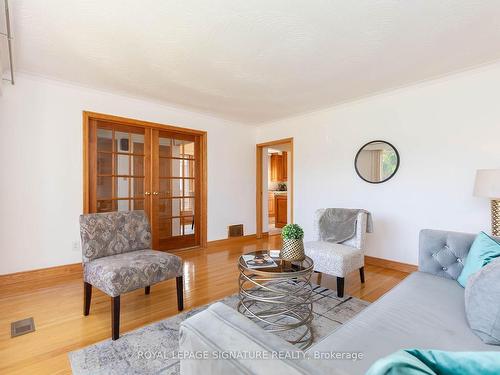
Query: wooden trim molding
140	123
227	241
75	269
41	274
391	264
258	191
204	190
274	143
85	160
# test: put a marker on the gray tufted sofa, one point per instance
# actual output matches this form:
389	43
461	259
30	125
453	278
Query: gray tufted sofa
117	258
426	310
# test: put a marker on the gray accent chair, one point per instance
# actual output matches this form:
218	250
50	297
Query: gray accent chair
338	259
117	258
425	310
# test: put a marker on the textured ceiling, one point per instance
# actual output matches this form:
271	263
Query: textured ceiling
252	60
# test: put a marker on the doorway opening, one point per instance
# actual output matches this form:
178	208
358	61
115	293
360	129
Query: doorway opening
274	186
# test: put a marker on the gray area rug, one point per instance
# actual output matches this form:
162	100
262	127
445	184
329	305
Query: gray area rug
124	355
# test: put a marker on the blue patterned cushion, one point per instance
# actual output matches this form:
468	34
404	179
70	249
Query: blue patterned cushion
121	273
113	233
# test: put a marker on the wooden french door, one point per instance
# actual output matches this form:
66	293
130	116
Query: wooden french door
120	167
176	183
141	167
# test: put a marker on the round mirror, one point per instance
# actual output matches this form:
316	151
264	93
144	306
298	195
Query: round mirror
377	162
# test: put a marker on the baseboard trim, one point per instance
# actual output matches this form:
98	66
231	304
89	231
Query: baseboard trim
41	274
391	264
76	268
226	241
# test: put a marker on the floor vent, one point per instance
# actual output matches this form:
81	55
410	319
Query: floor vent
21	327
235	230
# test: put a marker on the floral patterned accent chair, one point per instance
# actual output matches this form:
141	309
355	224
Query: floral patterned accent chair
117	258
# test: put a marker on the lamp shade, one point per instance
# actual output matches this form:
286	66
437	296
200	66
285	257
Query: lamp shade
487	183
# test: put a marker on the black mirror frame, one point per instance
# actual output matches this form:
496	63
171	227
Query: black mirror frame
393	173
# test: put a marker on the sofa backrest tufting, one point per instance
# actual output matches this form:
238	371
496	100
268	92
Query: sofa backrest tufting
443	253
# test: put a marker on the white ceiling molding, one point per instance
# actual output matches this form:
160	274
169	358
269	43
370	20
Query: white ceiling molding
252	61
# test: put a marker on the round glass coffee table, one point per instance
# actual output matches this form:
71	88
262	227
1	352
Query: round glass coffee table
278	297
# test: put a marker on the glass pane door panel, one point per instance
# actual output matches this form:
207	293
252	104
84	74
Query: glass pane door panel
176	227
105	206
188	206
165	147
121	171
104	140
123	205
104	189
104	163
138	204
122	142
122	187
187	223
122	165
189	187
137	187
183	149
171	187
137	144
170	167
177	148
170	207
137	165
177	178
188	166
170	228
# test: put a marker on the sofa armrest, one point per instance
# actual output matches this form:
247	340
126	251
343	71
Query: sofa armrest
442	253
221	330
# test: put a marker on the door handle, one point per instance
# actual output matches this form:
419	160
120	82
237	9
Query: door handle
155	193
147	193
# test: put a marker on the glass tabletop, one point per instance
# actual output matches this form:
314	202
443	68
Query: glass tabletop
262	261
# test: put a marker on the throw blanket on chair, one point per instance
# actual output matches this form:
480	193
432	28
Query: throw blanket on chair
339	224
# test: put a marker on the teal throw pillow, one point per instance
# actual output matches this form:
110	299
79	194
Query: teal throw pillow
483	250
437	362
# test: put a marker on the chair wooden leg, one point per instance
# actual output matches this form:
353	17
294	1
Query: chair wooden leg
362	274
87	297
115	317
180	293
147	289
340	287
319	278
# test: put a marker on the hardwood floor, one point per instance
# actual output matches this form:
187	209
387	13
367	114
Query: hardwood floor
56	306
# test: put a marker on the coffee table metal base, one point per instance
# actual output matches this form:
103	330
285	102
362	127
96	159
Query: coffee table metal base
279	302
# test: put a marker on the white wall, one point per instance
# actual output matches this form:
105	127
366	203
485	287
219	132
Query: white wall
41	173
444	130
